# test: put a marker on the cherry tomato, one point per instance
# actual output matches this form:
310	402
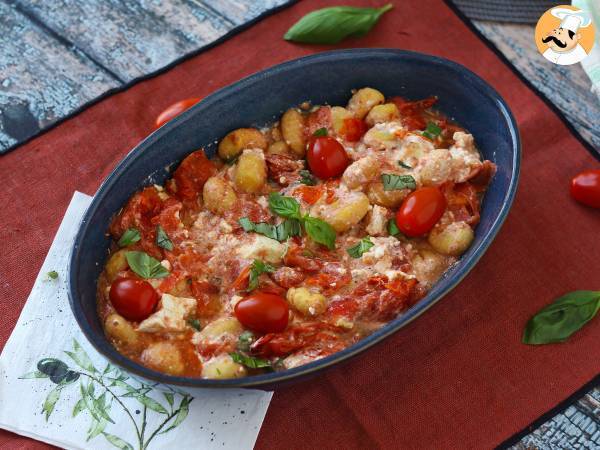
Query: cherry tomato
133	299
326	157
420	211
585	188
174	110
262	312
353	129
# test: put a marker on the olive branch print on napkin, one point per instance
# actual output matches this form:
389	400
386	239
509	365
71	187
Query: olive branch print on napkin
100	391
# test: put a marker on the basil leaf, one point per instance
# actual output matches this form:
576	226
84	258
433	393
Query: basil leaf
307	178
363	246
287	207
287	229
281	232
162	239
393	182
258	268
331	25
250	361
245	340
320	231
558	321
145	265
432	131
404	165
130	236
320	132
392	227
194	323
53	274
246	224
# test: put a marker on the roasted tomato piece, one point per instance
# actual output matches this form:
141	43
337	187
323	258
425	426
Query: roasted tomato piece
137	213
207	296
463	201
191	175
288	277
174	110
412	111
294	338
585	188
353	129
296	256
283	169
320	118
309	194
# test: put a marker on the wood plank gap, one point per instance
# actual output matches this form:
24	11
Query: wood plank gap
62	39
209	7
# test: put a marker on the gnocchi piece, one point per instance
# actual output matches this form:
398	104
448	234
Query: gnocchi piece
250	171
216	329
115	264
363	100
292	129
263	248
429	266
121	330
381	197
435	167
222	367
278	148
306	302
452	240
276	133
346	212
338	115
218	195
164	357
237	140
360	172
384	136
382	113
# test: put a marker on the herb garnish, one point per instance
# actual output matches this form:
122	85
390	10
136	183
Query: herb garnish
363	246
53	274
131	236
281	232
558	321
432	131
320	132
393	182
245	340
318	230
250	361
194	323
392	227
256	269
307	178
145	265
162	239
331	25
404	165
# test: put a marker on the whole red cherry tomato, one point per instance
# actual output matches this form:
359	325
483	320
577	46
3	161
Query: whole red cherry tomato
174	110
326	157
585	188
133	299
262	312
420	211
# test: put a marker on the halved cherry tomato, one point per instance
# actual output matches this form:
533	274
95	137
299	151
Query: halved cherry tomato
585	188
353	129
326	157
174	110
262	312
420	211
133	299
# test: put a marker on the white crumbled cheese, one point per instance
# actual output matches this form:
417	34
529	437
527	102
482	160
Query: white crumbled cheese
464	140
379	257
343	322
378	218
225	227
393	274
263	248
256	151
171	316
234	300
360	172
263	201
166	264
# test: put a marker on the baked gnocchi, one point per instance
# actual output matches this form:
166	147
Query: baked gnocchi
297	240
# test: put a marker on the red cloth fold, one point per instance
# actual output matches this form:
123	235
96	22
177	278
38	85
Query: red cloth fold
458	377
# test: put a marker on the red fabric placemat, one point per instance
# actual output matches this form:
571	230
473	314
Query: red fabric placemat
458	377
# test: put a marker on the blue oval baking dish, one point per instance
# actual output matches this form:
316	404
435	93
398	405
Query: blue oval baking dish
261	98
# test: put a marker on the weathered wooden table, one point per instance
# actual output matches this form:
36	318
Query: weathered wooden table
56	56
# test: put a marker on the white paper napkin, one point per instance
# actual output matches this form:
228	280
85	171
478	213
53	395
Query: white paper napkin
88	403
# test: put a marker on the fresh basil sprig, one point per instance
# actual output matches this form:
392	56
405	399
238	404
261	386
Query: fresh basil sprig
281	232
145	265
245	341
53	274
307	178
393	182
318	230
363	246
558	321
162	239
331	25
250	361
131	236
256	269
432	131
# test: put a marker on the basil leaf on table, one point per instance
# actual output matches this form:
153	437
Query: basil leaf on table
393	182
320	231
331	25
250	361
559	320
145	265
53	274
363	246
131	236
162	239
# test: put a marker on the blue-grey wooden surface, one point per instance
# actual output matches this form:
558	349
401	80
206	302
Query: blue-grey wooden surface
56	55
